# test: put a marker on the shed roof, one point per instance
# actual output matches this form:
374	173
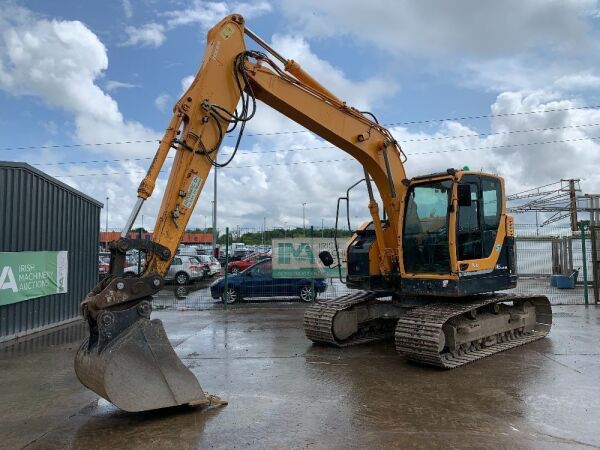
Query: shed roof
49	179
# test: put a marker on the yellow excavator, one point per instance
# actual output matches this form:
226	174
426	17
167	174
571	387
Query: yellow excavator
426	271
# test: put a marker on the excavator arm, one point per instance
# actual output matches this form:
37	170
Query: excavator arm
229	72
127	359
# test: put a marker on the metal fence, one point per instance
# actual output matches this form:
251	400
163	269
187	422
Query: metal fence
541	253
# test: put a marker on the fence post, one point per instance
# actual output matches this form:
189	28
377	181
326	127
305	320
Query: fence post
582	225
225	292
595	266
312	246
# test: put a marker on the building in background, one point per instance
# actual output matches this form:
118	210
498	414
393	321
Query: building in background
48	250
188	237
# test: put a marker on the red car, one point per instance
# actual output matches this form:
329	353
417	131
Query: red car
238	266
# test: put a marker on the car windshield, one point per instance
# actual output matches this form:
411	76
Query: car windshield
194	260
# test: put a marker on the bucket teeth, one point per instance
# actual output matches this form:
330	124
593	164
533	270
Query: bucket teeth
129	361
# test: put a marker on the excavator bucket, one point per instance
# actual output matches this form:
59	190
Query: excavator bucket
129	361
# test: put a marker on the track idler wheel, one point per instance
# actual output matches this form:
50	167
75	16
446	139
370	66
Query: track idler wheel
129	361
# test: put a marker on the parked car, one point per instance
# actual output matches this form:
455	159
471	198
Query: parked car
131	264
243	264
258	281
185	269
103	266
212	263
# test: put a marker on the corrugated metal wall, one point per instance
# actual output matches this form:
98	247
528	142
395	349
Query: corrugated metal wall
38	213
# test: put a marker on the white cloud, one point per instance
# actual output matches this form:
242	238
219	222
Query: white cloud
579	81
209	13
113	85
162	102
186	82
438	27
127	8
494	46
59	61
557	149
361	94
148	35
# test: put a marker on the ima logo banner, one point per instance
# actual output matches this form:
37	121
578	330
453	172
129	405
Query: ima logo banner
25	275
299	258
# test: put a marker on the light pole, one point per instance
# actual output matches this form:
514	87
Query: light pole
107	198
303	219
321	227
285	230
214	221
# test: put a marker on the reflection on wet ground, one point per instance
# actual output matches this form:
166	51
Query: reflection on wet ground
286	393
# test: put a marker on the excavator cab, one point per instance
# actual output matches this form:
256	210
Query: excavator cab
457	236
456	240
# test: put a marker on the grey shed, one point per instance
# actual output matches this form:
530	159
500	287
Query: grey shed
37	213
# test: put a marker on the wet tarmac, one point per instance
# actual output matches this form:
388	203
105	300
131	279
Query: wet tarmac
284	392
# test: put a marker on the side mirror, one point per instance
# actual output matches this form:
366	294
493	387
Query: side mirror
464	195
326	258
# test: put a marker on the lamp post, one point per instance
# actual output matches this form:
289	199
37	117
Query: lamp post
303	219
107	198
214	218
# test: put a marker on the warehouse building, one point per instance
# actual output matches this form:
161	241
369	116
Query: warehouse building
48	250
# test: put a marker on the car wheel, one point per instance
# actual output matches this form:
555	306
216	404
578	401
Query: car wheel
233	295
182	278
235	270
306	294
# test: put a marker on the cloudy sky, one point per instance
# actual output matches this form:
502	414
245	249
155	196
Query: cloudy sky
518	80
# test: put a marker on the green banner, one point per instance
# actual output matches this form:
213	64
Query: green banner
299	258
25	275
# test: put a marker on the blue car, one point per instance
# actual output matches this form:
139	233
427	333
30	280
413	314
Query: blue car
258	281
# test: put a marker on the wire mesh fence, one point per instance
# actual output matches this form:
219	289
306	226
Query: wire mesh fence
542	255
545	254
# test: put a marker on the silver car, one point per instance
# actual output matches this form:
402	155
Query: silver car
185	269
212	263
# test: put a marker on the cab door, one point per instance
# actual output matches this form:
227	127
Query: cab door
478	220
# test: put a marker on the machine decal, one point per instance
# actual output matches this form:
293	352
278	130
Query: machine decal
188	202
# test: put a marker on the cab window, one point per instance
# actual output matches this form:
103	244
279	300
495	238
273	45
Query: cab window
425	234
477	224
492	210
469	229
